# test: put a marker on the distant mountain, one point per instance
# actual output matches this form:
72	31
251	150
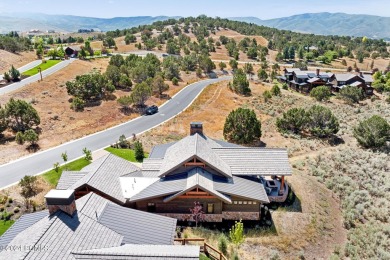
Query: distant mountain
68	23
329	24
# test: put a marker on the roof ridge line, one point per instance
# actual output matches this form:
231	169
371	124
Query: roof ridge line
92	175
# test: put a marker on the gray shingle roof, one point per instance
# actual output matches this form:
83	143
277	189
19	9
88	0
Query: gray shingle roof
256	161
163	187
68	178
344	76
188	148
125	252
98	223
241	187
199	178
158	151
104	175
138	227
22	224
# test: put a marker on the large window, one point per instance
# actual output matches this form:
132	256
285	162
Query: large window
210	208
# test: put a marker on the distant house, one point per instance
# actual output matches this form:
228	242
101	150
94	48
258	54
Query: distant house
231	182
361	80
305	81
92	228
72	50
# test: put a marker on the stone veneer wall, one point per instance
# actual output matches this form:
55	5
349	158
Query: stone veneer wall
231	215
69	209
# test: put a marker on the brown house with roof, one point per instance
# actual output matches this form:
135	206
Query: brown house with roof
231	182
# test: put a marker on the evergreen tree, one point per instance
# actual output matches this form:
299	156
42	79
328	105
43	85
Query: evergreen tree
242	126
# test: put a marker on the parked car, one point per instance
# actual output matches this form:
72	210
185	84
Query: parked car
151	110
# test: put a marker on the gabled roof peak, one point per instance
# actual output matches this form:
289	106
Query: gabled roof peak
193	146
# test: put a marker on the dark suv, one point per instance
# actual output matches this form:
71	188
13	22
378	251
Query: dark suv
151	110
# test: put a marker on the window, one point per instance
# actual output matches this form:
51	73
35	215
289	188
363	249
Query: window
240	202
254	202
250	202
151	207
210	208
235	202
245	202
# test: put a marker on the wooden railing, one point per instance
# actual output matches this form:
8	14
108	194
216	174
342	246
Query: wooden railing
210	251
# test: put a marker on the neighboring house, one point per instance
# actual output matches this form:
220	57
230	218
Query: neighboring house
305	81
361	80
72	50
231	182
91	228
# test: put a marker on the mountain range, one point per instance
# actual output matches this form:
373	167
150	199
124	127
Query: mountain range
329	24
317	23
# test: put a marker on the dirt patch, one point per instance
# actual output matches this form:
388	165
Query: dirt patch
7	59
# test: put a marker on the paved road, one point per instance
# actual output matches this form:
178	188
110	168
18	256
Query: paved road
27	67
43	161
36	77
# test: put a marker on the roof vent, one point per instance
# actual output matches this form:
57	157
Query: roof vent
196	128
63	200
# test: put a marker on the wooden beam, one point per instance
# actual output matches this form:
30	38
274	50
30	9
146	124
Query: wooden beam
281	191
196	197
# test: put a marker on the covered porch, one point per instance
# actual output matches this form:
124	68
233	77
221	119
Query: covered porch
276	188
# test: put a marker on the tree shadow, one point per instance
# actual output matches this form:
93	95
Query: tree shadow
335	140
127	110
32	148
165	96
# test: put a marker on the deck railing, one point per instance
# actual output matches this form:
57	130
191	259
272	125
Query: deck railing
209	250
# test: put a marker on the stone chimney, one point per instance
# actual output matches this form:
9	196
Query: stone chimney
63	200
318	72
196	127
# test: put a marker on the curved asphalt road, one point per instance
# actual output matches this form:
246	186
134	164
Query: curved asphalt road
40	162
36	77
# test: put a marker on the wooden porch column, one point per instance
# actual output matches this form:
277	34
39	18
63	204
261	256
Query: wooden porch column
281	191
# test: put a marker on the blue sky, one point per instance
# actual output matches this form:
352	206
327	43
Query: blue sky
223	8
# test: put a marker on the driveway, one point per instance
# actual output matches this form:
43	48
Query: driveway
36	77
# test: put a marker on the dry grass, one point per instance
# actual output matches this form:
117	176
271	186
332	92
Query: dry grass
7	59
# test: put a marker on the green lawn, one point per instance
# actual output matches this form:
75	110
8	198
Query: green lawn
4	225
52	176
44	66
126	154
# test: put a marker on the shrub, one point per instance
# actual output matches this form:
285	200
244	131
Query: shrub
275	90
16	209
56	167
222	244
87	154
351	94
372	132
321	93
175	81
294	120
267	95
77	104
31	136
19	138
321	122
240	84
284	86
10	200
2	208
242	126
139	151
236	233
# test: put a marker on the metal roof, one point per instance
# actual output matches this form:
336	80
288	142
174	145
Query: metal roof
125	252
190	147
138	227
